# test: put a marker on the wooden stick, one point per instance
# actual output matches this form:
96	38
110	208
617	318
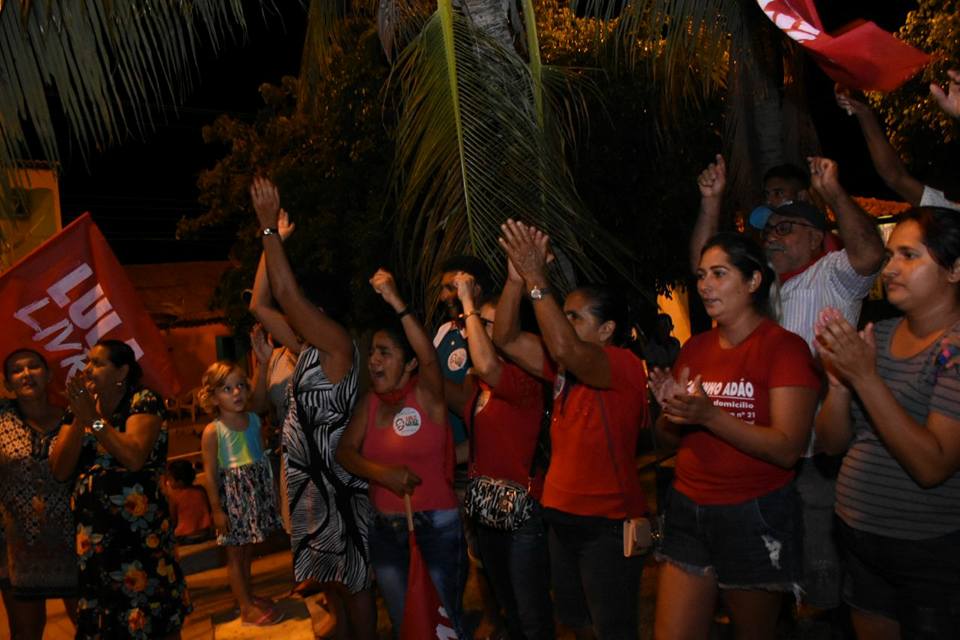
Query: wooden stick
406	503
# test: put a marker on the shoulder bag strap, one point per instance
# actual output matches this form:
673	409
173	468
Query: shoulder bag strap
635	510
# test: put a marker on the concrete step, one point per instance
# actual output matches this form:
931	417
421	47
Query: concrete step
297	624
207	555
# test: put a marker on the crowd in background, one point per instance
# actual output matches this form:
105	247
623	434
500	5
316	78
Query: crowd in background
508	443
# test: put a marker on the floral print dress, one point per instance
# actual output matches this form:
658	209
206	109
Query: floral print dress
34	512
130	583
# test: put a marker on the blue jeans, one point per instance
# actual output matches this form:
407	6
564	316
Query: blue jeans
518	566
822	573
440	538
593	584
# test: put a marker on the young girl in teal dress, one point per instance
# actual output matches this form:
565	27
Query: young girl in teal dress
239	483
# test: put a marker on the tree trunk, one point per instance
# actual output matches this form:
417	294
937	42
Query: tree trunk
492	16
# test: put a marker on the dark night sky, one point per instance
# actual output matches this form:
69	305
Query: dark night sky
138	191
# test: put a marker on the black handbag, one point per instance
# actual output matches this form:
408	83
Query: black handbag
500	504
494	502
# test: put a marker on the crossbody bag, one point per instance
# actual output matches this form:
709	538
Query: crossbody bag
496	502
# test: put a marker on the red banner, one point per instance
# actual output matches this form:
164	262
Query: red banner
423	615
71	292
859	56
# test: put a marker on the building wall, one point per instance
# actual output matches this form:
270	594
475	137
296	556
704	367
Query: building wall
30	227
193	349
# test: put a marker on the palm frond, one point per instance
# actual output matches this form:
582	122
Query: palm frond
471	152
681	45
101	64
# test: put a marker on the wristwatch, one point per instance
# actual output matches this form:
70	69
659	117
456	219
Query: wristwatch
269	231
537	293
98	424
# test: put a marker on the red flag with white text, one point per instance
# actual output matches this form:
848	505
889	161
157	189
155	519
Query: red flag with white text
71	292
860	56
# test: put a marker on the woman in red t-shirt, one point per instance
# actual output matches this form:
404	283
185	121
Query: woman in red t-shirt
399	439
502	407
741	413
600	404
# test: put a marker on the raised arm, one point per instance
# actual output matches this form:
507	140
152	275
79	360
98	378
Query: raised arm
527	248
781	442
430	379
483	355
263	352
261	300
712	183
398	478
929	451
523	348
308	321
948	100
860	235
130	447
885	159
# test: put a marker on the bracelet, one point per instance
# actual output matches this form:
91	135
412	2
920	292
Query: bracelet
472	312
269	231
404	311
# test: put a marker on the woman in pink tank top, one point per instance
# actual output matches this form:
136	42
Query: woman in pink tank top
398	438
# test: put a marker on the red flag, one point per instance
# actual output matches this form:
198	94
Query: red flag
860	56
71	292
424	617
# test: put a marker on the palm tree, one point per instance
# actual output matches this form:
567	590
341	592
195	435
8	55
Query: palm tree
98	65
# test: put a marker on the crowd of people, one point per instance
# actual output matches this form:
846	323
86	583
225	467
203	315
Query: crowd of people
548	413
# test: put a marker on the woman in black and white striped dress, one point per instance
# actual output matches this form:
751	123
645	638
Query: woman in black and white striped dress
894	408
329	508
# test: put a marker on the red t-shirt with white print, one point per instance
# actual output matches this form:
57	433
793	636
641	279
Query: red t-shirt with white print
739	380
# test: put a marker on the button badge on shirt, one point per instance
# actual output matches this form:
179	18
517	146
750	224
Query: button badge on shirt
407	422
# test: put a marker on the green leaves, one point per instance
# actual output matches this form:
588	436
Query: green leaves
471	152
101	64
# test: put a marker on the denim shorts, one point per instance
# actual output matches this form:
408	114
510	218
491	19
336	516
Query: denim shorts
750	545
915	582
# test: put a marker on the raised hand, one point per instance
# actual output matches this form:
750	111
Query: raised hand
465	283
82	403
284	226
266	201
846	100
663	385
527	248
512	274
824	177
261	348
948	100
850	356
384	284
713	180
695	407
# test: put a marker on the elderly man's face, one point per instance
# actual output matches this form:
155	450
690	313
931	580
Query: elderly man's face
790	242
